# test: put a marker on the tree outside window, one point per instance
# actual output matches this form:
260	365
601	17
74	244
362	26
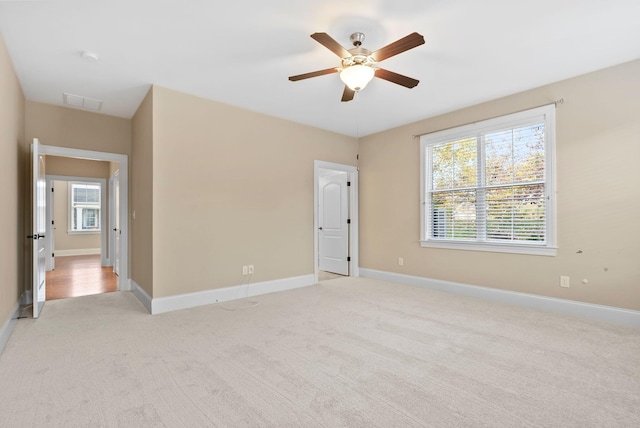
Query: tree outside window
489	185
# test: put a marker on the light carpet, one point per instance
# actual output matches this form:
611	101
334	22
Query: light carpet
349	352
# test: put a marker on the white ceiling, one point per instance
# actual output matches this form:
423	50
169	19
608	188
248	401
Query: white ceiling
241	52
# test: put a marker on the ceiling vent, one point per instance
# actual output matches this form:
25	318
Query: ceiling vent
82	102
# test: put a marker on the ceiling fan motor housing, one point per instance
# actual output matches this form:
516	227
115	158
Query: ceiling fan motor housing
357	39
359	56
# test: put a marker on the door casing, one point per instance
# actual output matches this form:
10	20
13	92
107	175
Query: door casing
123	278
114	218
352	171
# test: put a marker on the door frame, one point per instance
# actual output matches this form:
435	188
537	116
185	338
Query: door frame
123	160
352	176
50	239
104	207
112	221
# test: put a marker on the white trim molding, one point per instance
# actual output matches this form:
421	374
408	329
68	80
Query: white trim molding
161	305
141	295
8	325
550	304
78	252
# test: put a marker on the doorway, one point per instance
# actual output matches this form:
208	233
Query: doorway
78	262
335	220
101	267
77	210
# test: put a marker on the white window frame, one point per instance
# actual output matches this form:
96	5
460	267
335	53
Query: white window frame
100	216
544	113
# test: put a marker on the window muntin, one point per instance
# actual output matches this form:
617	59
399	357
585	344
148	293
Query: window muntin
84	207
489	186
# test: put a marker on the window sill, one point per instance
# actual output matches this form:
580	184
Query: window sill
495	248
84	232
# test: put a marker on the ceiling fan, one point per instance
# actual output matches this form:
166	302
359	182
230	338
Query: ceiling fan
359	65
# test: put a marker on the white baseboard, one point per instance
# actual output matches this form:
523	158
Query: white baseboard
124	284
77	252
26	298
9	324
142	295
567	307
190	300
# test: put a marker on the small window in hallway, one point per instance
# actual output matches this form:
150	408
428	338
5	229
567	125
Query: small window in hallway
84	207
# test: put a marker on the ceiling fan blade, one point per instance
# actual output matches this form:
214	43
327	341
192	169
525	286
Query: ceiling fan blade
399	79
348	94
399	46
328	42
313	74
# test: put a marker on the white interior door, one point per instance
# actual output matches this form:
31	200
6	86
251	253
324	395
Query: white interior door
333	228
116	223
38	208
51	228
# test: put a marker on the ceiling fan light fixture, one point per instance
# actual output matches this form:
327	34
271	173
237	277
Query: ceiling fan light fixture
360	65
357	76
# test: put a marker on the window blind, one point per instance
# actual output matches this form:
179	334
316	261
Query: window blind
489	182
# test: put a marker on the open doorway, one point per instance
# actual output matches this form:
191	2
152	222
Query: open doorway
88	268
77	244
335	220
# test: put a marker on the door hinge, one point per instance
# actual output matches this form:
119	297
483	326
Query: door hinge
348	259
53	222
53	254
348	183
52	189
348	221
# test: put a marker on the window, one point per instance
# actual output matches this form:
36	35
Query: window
489	186
84	207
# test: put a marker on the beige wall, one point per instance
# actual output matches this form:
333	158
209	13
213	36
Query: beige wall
70	167
598	181
232	188
114	167
141	201
12	148
65	241
76	129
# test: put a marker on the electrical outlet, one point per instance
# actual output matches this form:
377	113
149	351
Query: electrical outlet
245	270
250	269
565	281
400	261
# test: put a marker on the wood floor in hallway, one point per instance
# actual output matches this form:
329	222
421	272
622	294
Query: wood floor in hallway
79	276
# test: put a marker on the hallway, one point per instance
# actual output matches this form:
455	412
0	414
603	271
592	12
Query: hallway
80	276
